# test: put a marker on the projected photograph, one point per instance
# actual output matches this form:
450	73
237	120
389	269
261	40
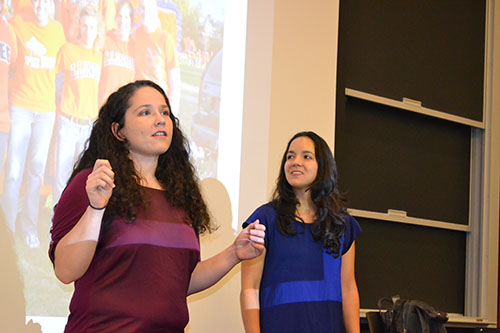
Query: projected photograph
59	61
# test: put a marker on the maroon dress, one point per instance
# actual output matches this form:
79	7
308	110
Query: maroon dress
140	273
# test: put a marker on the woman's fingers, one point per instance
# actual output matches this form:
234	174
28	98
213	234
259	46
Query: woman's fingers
257	236
257	232
254	232
102	172
101	162
100	183
101	179
103	166
250	242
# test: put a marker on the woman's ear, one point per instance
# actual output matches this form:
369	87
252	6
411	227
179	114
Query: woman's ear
116	132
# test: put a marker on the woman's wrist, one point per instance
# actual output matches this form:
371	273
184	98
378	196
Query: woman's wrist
233	255
97	208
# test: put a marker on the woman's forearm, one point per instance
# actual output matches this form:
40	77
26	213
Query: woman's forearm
208	272
247	245
250	310
350	307
76	249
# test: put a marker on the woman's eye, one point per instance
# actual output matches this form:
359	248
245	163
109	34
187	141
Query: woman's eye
144	113
289	157
166	113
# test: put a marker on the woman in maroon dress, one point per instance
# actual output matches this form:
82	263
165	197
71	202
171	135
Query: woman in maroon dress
126	229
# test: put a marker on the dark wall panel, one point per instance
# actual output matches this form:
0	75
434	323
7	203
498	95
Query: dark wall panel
390	158
427	50
410	261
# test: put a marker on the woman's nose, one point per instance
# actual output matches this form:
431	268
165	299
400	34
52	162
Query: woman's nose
159	121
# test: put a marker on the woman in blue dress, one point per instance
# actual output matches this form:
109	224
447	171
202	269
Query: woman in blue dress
304	281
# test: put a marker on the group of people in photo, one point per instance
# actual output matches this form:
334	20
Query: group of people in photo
60	60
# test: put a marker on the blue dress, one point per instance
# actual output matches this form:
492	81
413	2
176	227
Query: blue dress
300	288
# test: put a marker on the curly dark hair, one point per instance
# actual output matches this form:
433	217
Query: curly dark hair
329	223
175	171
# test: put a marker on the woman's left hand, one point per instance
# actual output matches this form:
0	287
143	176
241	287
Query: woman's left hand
250	242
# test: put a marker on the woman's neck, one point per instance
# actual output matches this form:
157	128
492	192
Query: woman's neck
146	170
305	209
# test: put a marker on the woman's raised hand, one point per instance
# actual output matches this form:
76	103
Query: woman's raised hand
100	184
250	242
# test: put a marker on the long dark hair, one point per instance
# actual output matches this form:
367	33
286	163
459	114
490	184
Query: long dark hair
329	222
175	172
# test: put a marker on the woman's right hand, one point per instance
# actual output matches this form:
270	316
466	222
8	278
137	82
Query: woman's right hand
100	184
